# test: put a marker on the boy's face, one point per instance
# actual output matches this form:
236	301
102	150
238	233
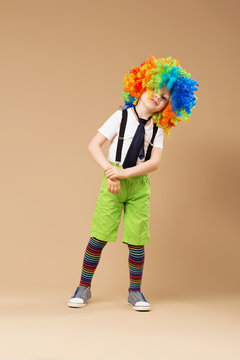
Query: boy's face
154	101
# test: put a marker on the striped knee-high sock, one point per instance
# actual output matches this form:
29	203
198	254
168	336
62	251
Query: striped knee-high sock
91	259
136	262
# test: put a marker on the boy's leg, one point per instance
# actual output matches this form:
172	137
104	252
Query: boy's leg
135	296
136	262
137	211
91	259
107	214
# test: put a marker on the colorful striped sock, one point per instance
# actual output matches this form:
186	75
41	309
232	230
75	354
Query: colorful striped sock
91	259
136	262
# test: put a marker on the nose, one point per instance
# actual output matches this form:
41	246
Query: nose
156	93
157	96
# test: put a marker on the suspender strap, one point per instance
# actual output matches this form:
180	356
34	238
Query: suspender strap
121	136
150	146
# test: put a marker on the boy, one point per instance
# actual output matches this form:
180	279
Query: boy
157	94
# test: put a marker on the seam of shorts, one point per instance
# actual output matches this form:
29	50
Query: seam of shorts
103	238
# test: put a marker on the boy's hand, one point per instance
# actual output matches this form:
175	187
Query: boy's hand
114	186
115	173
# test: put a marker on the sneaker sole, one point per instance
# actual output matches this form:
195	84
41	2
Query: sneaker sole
140	308
78	305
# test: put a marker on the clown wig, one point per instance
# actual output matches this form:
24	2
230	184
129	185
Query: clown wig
151	76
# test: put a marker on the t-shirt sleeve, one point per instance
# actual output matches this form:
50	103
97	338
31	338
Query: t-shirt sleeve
111	126
158	140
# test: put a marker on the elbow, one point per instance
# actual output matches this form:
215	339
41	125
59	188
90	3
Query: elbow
93	147
90	149
90	146
155	165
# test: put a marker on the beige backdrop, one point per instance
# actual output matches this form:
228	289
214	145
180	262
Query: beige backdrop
61	67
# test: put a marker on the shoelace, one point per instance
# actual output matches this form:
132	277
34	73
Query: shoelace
79	291
143	296
140	296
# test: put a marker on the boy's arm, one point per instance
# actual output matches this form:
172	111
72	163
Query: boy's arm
94	148
147	166
144	168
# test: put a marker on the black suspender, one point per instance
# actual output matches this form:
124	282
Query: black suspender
150	146
121	138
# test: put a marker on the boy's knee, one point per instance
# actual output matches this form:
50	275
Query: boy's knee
102	242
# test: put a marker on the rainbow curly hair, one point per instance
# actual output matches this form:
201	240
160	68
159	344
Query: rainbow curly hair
151	76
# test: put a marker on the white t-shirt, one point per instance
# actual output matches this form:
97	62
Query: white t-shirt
110	129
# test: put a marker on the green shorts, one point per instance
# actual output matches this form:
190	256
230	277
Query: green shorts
134	198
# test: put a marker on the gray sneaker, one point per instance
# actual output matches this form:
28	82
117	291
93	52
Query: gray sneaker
138	301
80	297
